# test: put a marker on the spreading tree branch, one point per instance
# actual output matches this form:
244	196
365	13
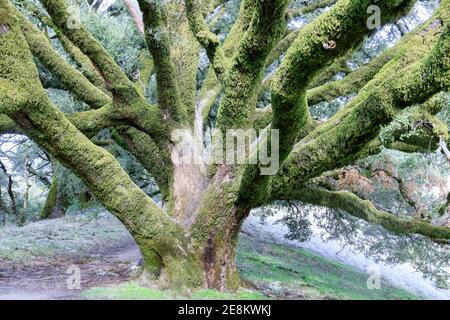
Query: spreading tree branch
137	16
44	123
339	140
158	43
205	37
315	47
66	74
11	195
244	78
365	210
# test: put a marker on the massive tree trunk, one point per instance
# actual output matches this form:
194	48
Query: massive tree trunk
191	242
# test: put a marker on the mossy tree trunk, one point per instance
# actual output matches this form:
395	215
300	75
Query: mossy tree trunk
54	205
12	196
193	242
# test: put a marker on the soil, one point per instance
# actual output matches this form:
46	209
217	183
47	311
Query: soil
52	277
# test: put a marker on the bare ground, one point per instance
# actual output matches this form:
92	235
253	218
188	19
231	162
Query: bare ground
101	261
37	262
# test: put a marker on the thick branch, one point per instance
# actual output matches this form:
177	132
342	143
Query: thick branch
155	160
51	200
245	75
91	122
66	74
317	45
205	37
282	46
211	85
310	8
7	126
158	43
338	141
136	14
364	209
83	62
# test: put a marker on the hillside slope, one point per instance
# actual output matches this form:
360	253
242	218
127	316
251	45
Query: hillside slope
35	259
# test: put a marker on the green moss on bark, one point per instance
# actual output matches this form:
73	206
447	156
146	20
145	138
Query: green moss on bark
44	123
158	43
415	74
243	80
51	201
365	210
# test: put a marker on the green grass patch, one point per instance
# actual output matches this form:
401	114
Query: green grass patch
241	294
133	291
301	270
125	291
276	270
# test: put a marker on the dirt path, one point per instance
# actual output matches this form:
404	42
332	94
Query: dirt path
58	281
55	276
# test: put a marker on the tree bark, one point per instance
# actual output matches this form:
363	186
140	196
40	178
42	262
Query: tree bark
11	194
54	206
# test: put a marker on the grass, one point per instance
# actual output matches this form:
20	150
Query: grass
125	291
278	272
69	236
133	291
271	270
316	277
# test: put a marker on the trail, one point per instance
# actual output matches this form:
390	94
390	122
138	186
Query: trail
54	282
52	276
